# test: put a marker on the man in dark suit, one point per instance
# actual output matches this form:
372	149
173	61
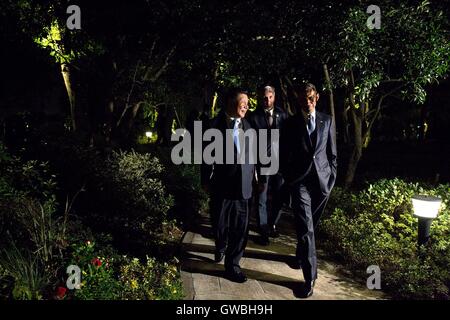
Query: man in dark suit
308	165
268	116
230	187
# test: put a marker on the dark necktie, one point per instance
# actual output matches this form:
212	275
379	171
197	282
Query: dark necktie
311	124
269	119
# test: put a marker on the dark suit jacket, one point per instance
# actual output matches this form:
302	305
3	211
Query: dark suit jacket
228	181
299	154
258	120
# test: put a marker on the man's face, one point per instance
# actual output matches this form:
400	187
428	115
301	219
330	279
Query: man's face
268	99
308	101
241	105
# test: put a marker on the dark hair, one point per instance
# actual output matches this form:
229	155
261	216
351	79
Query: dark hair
233	93
305	88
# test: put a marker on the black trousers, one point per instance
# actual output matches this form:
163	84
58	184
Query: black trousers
229	219
269	215
308	204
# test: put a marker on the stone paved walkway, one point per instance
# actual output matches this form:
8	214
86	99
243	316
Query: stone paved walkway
267	269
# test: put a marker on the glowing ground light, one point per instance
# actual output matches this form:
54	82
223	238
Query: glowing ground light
426	208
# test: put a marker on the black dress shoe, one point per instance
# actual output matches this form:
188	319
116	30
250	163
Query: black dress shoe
307	290
264	240
218	256
295	264
236	276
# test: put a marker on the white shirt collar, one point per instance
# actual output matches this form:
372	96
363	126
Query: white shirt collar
269	111
231	119
305	115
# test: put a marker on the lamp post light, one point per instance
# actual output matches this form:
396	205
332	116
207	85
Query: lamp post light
426	208
148	134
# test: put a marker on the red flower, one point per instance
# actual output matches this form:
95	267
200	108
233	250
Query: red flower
96	262
61	292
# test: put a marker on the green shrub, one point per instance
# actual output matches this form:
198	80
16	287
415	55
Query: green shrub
46	231
98	280
151	280
183	182
376	227
107	276
30	178
27	271
136	178
135	201
125	195
32	233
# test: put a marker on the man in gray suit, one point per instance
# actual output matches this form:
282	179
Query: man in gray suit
268	116
308	165
230	187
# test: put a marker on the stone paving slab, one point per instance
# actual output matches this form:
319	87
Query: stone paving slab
268	271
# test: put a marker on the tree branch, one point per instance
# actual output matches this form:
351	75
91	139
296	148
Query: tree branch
127	103
391	81
379	104
163	67
152	48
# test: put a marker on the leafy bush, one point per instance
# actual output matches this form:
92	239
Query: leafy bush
31	231
183	182
376	227
124	195
152	280
98	280
107	276
30	178
133	201
28	275
136	178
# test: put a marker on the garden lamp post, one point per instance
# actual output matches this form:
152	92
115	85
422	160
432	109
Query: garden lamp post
426	209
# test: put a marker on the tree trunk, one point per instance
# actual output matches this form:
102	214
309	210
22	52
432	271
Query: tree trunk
130	121
345	124
357	122
284	85
67	76
208	97
330	91
423	122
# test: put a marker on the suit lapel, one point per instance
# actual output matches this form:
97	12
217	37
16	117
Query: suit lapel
304	131
222	126
262	119
276	115
319	128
